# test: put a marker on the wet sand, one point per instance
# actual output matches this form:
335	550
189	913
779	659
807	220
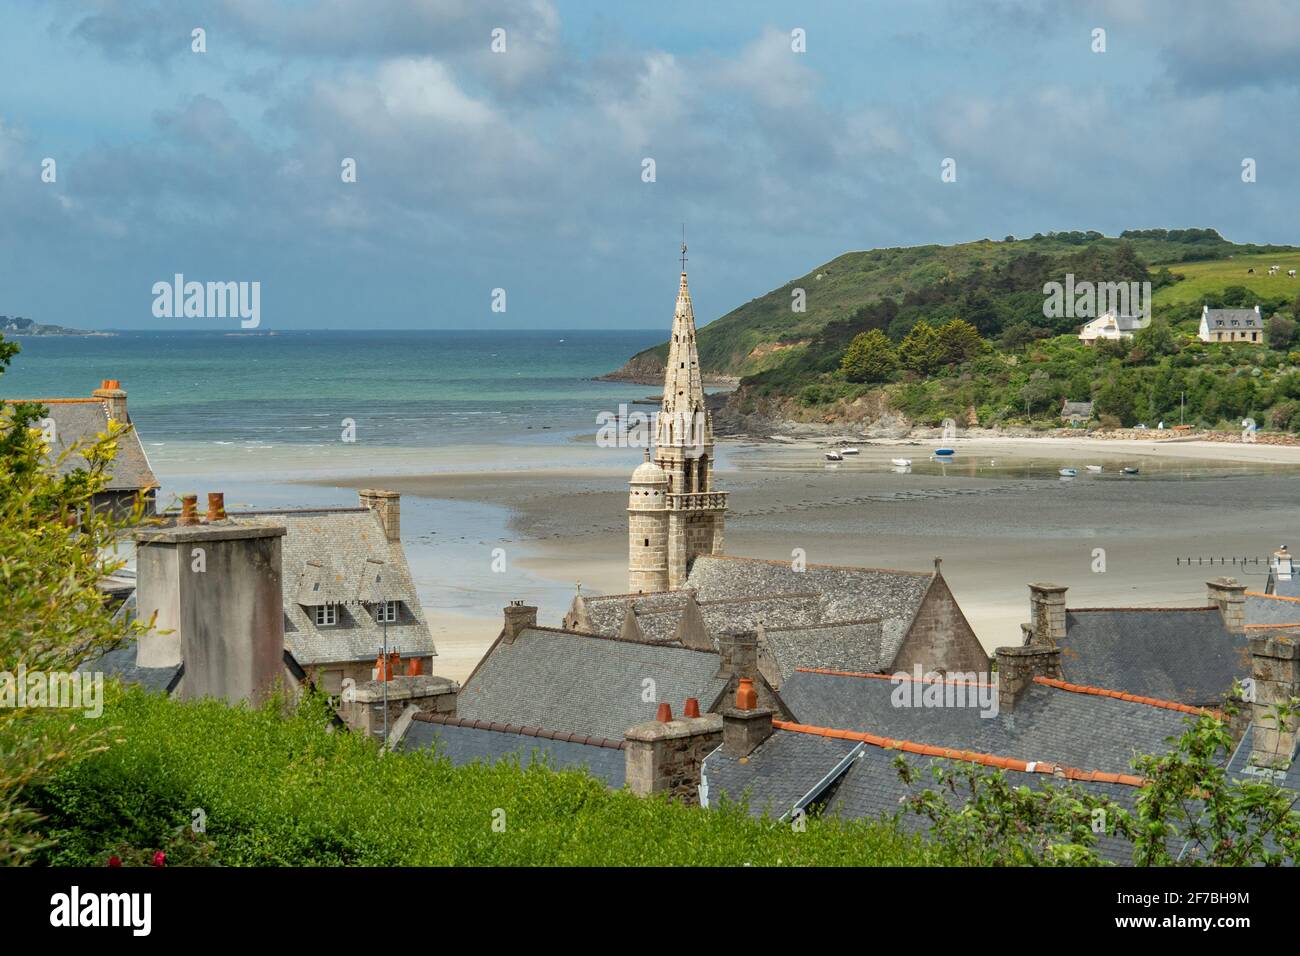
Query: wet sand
998	516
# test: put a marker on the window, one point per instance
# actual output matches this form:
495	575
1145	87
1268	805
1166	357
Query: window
327	615
386	613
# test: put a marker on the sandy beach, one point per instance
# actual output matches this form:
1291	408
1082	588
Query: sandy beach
999	516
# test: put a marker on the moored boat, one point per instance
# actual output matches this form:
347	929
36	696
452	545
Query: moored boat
1068	472
901	462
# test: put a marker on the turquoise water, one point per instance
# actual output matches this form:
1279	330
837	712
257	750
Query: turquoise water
417	389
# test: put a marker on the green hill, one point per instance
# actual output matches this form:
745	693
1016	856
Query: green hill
766	333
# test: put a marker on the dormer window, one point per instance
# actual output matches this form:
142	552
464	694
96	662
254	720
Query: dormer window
386	612
326	615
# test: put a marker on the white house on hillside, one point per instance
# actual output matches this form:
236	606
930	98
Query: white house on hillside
1112	326
1231	325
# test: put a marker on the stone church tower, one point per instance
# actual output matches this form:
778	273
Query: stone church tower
674	513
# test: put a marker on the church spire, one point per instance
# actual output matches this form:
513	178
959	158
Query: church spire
683	386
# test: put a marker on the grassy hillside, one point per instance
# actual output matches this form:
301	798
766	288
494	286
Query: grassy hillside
1202	279
765	333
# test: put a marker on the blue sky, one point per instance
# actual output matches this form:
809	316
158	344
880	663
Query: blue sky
522	170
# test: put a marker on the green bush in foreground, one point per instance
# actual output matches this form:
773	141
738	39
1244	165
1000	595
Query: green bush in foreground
277	790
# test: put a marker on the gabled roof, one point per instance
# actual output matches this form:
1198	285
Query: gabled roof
1223	319
1182	654
76	422
851	645
464	741
571	682
786	771
1087	730
333	556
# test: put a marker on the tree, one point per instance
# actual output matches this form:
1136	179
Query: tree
1279	332
1036	391
919	351
1156	340
870	358
52	615
959	341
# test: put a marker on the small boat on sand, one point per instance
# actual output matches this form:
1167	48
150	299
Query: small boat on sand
1094	468
901	462
848	451
1130	471
1068	472
944	452
834	456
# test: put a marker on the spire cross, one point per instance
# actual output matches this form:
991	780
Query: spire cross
683	247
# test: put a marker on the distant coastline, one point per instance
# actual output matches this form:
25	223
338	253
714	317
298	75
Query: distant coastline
15	328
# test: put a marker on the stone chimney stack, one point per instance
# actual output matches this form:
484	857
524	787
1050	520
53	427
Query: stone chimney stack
216	588
738	655
518	616
667	755
1230	598
745	725
389	506
111	393
1017	668
1275	669
1047	613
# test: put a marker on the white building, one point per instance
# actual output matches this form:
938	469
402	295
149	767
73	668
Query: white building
1112	326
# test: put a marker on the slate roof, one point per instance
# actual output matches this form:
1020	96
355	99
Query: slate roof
854	779
1222	319
1179	654
1272	610
1288	588
1083	731
120	663
462	743
78	421
1081	410
825	616
566	681
872	788
778	775
337	554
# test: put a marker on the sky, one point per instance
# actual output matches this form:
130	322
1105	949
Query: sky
781	135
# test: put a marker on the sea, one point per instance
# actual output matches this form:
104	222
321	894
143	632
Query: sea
266	417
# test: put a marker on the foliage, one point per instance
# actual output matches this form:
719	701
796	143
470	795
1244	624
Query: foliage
52	616
278	789
1188	811
870	358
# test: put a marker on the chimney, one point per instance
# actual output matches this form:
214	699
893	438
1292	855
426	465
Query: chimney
1275	669
1282	564
217	589
518	616
667	756
1017	668
1230	598
112	394
745	725
389	506
738	655
1047	613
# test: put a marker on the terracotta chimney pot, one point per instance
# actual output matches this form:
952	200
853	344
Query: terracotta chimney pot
189	510
665	713
216	506
692	708
746	696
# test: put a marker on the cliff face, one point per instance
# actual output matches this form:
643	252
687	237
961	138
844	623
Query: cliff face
644	368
